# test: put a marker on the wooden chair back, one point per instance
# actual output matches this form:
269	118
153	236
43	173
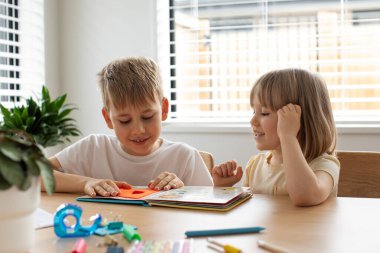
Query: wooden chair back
208	159
359	174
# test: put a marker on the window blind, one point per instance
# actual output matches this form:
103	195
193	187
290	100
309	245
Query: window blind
21	50
218	48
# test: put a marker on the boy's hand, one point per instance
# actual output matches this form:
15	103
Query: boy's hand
226	174
104	187
289	120
165	181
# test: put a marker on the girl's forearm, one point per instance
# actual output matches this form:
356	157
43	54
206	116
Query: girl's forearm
302	183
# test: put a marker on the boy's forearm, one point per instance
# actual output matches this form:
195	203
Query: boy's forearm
65	182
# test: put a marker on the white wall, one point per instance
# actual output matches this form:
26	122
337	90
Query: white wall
228	143
84	35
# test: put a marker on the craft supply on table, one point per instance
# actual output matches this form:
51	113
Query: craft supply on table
80	246
75	230
109	240
271	247
115	249
219	247
130	233
42	219
113	227
162	246
227	231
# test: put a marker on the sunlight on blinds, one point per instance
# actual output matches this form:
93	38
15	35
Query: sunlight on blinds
21	50
218	48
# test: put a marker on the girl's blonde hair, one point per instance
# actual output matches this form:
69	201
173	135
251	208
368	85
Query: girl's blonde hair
130	81
317	134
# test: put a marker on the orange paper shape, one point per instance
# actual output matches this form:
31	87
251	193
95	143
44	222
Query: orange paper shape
137	193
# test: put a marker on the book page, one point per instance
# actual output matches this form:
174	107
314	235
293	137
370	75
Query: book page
199	194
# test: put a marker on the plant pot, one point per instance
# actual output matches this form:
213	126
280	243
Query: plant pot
16	218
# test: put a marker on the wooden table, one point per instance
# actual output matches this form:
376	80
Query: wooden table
338	225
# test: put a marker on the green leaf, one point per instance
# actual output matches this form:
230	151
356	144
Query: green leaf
64	113
30	122
32	167
65	121
45	94
11	150
32	106
24	115
37	122
60	101
27	183
4	185
32	164
11	171
5	111
18	120
47	175
48	116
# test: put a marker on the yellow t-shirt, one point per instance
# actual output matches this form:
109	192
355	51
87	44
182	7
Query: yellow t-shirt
270	179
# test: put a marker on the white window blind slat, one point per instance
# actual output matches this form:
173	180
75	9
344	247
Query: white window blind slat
248	89
250	77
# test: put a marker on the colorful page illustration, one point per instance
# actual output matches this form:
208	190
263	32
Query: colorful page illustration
137	193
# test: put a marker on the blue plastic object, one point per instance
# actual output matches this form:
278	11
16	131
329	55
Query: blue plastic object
115	249
102	231
76	230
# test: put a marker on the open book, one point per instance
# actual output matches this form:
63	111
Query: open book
193	197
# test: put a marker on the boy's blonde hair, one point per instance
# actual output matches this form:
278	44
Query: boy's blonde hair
130	81
276	89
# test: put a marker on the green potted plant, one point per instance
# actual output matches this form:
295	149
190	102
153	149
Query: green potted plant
22	162
46	120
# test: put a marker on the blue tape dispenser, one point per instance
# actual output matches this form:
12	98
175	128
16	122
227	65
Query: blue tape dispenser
75	230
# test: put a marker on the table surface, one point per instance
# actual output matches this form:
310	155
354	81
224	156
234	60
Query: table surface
338	225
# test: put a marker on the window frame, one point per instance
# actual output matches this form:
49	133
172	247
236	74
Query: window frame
344	126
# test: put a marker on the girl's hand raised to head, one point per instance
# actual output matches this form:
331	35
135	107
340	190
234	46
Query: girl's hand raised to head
289	120
104	187
165	181
226	174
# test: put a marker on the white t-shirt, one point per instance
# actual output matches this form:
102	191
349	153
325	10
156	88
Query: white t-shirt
101	156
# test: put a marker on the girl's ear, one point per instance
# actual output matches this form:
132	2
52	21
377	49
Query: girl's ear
165	108
107	118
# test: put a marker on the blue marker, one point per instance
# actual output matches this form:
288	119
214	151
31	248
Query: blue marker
228	231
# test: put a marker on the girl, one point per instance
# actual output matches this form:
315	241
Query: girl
292	118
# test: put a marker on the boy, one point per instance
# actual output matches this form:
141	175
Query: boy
134	107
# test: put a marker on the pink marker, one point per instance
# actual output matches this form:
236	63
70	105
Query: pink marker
80	246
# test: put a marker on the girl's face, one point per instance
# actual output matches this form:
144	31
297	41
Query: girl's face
264	126
138	128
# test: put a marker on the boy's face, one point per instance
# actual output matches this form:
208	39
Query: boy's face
138	128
